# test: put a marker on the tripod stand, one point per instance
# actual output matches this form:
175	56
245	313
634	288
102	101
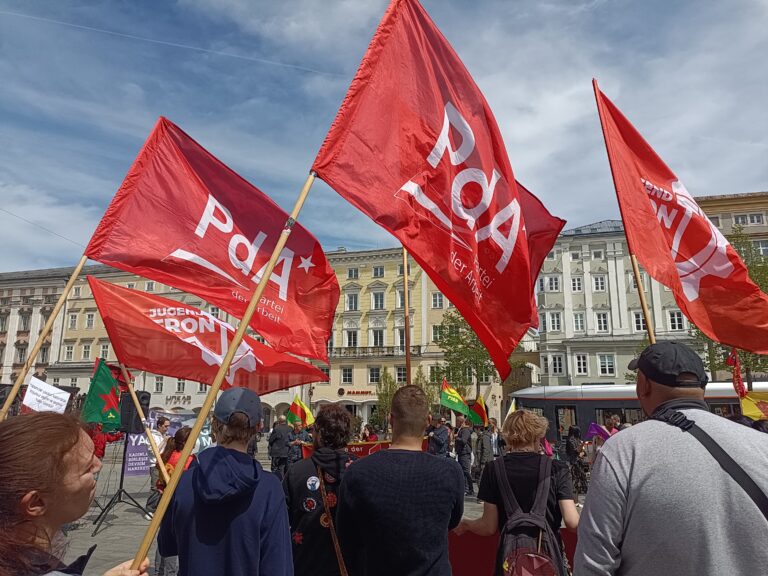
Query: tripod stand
118	497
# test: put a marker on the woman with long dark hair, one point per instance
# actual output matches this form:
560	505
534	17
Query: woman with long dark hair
47	479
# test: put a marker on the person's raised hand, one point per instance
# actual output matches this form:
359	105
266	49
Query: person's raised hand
124	569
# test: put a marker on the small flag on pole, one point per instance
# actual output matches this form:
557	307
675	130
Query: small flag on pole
512	408
300	412
450	398
478	415
102	404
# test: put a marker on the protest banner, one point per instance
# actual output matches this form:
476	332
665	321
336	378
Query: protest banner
136	455
361	449
42	397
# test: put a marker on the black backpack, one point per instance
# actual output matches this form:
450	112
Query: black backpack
521	553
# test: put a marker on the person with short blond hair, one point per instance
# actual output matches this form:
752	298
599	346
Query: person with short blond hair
397	505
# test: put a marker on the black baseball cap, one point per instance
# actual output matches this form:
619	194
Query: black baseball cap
663	362
238	400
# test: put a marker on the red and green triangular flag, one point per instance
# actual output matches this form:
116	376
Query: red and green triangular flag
300	412
102	404
478	415
450	398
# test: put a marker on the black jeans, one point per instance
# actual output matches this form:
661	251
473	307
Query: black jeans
279	465
465	461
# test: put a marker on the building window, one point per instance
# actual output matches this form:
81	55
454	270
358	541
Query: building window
715	220
76	292
437	300
400	269
346	375
86	351
326	371
378	271
73	321
24	321
551	255
56	381
642	279
149	286
557	365
45	353
545	364
374	374
434	373
202	387
436	332
598	283
89	320
760	245
131	285
578	321
351	338
352	303
400	334
575	256
69	352
554	321
756	219
553	283
400	300
352	273
180	385
104	353
400	374
158	384
377	300
602	321
214	311
542	322
576	284
640	325
3	323
21	354
541	284
597	254
582	365
607	364
377	337
73	381
676	321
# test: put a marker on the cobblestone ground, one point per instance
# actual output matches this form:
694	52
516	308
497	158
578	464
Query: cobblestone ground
123	528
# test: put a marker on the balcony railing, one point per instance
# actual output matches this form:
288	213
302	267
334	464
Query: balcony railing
372	351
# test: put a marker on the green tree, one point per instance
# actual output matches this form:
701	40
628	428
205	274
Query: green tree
385	390
467	361
431	389
714	352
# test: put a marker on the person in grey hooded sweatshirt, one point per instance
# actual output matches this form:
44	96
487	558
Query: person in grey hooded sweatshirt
228	516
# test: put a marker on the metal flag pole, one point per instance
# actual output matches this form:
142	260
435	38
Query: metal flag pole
165	500
145	423
407	318
41	339
635	268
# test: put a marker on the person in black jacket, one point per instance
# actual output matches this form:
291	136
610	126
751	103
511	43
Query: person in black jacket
278	446
313	549
464	452
437	433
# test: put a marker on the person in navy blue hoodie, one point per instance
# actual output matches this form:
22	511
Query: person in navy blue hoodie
228	515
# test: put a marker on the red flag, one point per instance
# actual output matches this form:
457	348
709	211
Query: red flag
677	244
167	337
738	381
183	218
416	147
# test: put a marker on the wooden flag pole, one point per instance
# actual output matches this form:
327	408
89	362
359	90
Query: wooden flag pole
407	318
170	488
145	423
41	339
635	268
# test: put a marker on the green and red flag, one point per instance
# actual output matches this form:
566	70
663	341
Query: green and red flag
300	412
450	398
478	415
102	404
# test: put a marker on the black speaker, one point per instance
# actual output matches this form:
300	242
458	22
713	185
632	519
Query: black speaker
129	418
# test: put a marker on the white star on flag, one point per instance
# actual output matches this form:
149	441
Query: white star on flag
306	263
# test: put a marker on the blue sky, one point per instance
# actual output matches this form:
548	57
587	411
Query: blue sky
258	82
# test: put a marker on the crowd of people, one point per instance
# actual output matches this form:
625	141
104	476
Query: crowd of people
662	498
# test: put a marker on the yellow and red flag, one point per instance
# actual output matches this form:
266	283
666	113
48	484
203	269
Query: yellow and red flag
755	405
450	398
300	412
478	415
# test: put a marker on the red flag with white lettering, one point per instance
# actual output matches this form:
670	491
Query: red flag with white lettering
416	147
167	337
677	244
183	218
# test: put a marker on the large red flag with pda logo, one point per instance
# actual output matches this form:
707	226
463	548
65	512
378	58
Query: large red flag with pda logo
677	244
167	337
183	218
415	146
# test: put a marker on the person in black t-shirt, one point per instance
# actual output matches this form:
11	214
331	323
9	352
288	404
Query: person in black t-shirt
396	506
523	431
464	452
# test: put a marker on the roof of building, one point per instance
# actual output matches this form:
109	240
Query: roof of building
730	196
52	273
602	227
